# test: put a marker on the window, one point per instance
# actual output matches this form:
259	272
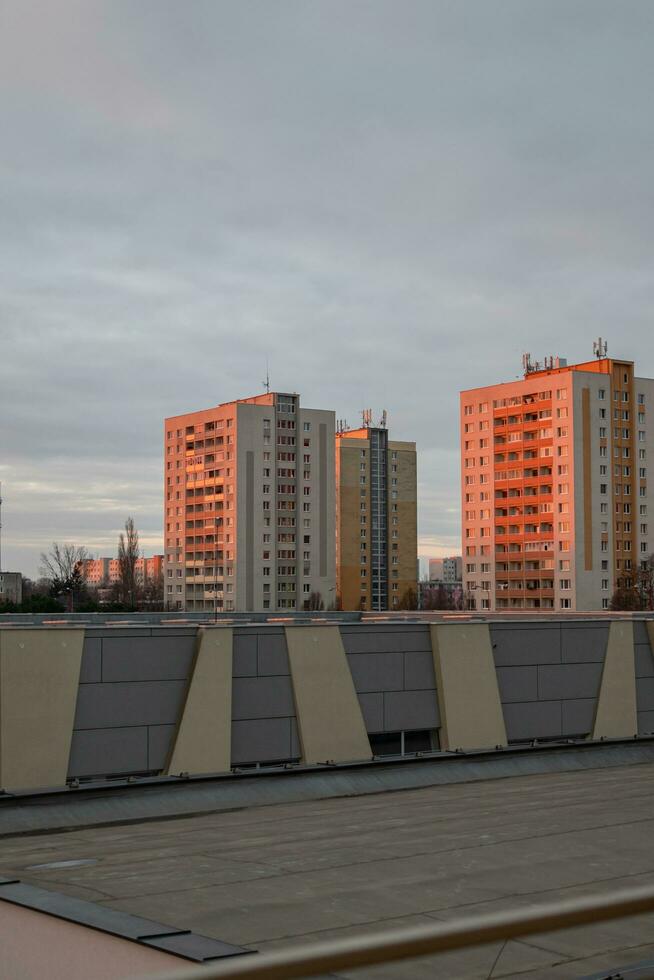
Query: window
601	394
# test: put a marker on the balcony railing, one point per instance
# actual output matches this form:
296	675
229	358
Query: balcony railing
394	945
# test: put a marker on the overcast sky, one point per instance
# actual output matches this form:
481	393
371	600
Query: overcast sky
389	200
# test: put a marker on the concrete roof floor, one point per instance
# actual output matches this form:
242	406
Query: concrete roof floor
279	875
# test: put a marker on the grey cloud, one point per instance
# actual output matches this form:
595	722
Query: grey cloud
390	200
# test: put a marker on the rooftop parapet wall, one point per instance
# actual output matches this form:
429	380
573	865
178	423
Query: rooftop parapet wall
141	707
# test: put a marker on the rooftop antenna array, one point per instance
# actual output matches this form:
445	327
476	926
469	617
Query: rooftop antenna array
528	365
366	417
266	383
383	420
600	348
0	526
342	426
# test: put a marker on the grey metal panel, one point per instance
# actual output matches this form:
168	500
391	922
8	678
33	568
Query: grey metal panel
567	681
517	683
91	669
645	722
261	740
581	644
372	709
577	716
645	693
640	632
535	719
194	947
410	710
122	705
272	655
363	639
262	697
85	913
377	671
160	743
644	660
527	645
245	655
109	751
147	658
419	671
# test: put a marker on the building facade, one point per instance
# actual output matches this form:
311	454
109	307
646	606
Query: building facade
446	570
249	506
103	572
11	587
376	542
554	491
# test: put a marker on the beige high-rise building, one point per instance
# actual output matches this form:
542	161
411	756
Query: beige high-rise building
250	506
555	497
377	537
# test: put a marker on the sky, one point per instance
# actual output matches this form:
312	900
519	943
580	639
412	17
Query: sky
389	201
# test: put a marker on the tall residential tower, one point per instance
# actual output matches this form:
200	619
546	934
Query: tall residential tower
555	497
376	544
249	506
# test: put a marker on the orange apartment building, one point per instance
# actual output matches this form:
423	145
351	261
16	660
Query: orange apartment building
249	506
555	496
101	572
376	504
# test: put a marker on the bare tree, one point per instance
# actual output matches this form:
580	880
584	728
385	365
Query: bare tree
128	555
62	566
315	601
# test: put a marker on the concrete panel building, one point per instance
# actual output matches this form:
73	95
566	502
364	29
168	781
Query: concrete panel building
98	572
11	587
554	491
377	542
249	506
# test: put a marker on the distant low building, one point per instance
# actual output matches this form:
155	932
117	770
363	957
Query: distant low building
103	572
446	570
11	587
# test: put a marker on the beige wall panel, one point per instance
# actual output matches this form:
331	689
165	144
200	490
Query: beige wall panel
616	716
468	696
329	717
39	677
204	735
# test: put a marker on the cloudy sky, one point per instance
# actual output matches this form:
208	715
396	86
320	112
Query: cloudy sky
389	200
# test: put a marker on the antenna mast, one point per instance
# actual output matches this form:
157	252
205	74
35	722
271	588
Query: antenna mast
600	348
266	383
0	525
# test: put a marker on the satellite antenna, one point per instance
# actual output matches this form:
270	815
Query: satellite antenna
600	348
266	383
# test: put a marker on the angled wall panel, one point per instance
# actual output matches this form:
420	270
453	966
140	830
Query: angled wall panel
203	740
616	706
328	713
39	676
468	696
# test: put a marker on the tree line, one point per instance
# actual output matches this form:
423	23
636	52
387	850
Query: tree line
63	586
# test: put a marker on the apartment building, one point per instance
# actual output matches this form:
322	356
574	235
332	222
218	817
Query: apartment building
249	506
99	572
555	496
11	587
376	544
446	570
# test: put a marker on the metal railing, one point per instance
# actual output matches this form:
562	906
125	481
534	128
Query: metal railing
400	944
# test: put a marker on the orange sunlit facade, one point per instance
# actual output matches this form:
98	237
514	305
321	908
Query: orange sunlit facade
554	490
99	572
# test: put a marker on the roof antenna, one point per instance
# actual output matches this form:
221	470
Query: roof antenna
266	383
